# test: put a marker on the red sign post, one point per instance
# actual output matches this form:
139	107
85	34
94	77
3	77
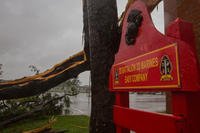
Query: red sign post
156	62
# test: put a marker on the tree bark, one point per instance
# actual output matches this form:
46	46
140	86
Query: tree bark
151	4
86	30
102	15
33	85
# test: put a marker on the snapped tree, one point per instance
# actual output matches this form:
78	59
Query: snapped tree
101	42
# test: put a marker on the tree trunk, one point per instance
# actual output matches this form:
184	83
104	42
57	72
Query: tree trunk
86	30
102	16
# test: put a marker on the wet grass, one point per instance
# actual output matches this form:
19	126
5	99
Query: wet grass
73	124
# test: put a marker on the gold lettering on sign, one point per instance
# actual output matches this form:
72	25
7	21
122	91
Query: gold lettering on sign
138	66
136	78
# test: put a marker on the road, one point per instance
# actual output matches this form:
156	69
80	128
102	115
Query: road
81	104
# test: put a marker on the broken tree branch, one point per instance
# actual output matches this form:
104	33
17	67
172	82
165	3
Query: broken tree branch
37	109
61	72
37	84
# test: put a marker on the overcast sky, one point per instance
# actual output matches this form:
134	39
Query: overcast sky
43	33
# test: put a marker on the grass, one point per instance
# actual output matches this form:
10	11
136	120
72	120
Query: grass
74	124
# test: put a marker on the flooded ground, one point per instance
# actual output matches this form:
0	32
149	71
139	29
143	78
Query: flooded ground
81	104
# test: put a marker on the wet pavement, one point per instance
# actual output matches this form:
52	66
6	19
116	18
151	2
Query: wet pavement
81	104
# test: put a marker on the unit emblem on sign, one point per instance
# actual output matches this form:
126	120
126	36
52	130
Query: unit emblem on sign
166	69
116	76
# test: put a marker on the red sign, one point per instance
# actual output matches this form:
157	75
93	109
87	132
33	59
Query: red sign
155	69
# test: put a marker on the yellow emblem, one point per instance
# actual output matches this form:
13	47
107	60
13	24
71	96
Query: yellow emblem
166	69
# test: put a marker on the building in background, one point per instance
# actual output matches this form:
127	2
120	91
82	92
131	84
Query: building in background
188	10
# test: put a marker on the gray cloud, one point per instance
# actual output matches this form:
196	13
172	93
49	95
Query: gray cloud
40	32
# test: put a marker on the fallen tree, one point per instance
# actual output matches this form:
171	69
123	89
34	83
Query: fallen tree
70	68
37	84
35	111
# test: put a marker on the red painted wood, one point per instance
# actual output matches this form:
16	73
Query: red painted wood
185	98
186	104
122	99
182	33
149	39
146	122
